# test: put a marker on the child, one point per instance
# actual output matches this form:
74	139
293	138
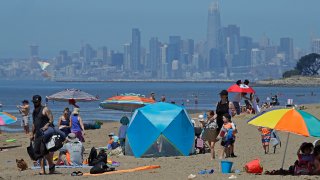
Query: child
227	135
113	141
123	130
265	138
305	161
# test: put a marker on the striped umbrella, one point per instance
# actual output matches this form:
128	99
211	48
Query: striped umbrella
74	94
6	118
288	120
125	103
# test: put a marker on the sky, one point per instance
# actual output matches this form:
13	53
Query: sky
65	24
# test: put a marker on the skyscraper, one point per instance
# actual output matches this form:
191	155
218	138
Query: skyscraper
286	47
135	49
126	56
233	33
164	62
154	54
214	33
315	46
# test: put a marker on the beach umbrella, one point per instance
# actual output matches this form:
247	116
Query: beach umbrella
6	118
126	102
72	94
288	120
242	88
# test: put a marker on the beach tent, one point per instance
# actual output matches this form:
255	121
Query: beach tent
160	129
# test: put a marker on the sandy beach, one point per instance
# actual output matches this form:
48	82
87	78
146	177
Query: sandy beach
247	147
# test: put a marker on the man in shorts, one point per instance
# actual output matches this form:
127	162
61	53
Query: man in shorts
24	110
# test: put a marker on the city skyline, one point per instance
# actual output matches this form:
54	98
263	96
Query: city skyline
15	45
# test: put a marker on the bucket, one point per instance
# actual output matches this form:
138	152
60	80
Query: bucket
226	167
254	167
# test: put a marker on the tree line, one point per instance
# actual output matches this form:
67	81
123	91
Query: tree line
308	65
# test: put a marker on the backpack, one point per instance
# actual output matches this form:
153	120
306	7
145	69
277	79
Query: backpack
95	158
92	156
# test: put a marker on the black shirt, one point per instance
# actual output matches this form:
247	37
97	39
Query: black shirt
220	111
39	120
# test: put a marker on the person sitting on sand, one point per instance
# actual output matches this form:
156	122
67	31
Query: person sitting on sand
250	110
64	122
265	138
316	156
113	141
71	154
305	162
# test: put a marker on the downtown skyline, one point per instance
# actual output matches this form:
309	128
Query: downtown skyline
111	27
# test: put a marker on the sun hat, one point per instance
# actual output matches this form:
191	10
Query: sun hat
72	137
75	111
111	134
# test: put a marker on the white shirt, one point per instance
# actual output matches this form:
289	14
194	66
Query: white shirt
237	97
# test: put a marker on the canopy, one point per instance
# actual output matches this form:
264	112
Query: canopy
6	118
75	94
242	88
126	103
160	129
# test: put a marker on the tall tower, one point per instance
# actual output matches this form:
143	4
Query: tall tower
34	51
214	27
135	49
315	46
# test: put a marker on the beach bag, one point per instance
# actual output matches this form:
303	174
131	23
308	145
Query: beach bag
274	142
92	156
254	167
98	168
55	143
31	152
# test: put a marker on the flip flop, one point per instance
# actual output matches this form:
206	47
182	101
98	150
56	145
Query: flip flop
74	173
79	173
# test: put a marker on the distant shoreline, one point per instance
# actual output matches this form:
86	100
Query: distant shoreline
151	81
296	81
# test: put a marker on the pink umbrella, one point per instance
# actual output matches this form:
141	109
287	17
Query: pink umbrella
242	88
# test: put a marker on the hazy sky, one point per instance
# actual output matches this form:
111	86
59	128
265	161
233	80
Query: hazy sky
64	24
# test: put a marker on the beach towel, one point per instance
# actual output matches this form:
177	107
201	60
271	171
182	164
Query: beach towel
142	168
62	166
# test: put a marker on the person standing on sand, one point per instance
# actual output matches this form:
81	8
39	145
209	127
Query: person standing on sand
210	132
24	110
42	119
76	124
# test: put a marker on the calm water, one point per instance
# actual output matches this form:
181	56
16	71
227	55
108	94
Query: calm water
13	92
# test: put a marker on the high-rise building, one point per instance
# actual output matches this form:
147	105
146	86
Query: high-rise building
233	33
257	57
34	51
135	50
154	54
103	54
164	62
188	50
315	46
246	42
286	47
214	31
127	56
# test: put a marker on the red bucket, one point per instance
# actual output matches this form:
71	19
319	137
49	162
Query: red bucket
254	167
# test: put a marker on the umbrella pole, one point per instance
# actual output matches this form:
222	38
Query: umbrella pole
285	151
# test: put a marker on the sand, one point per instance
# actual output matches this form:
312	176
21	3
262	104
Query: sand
247	147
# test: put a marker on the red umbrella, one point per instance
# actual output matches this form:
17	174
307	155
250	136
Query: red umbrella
242	88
